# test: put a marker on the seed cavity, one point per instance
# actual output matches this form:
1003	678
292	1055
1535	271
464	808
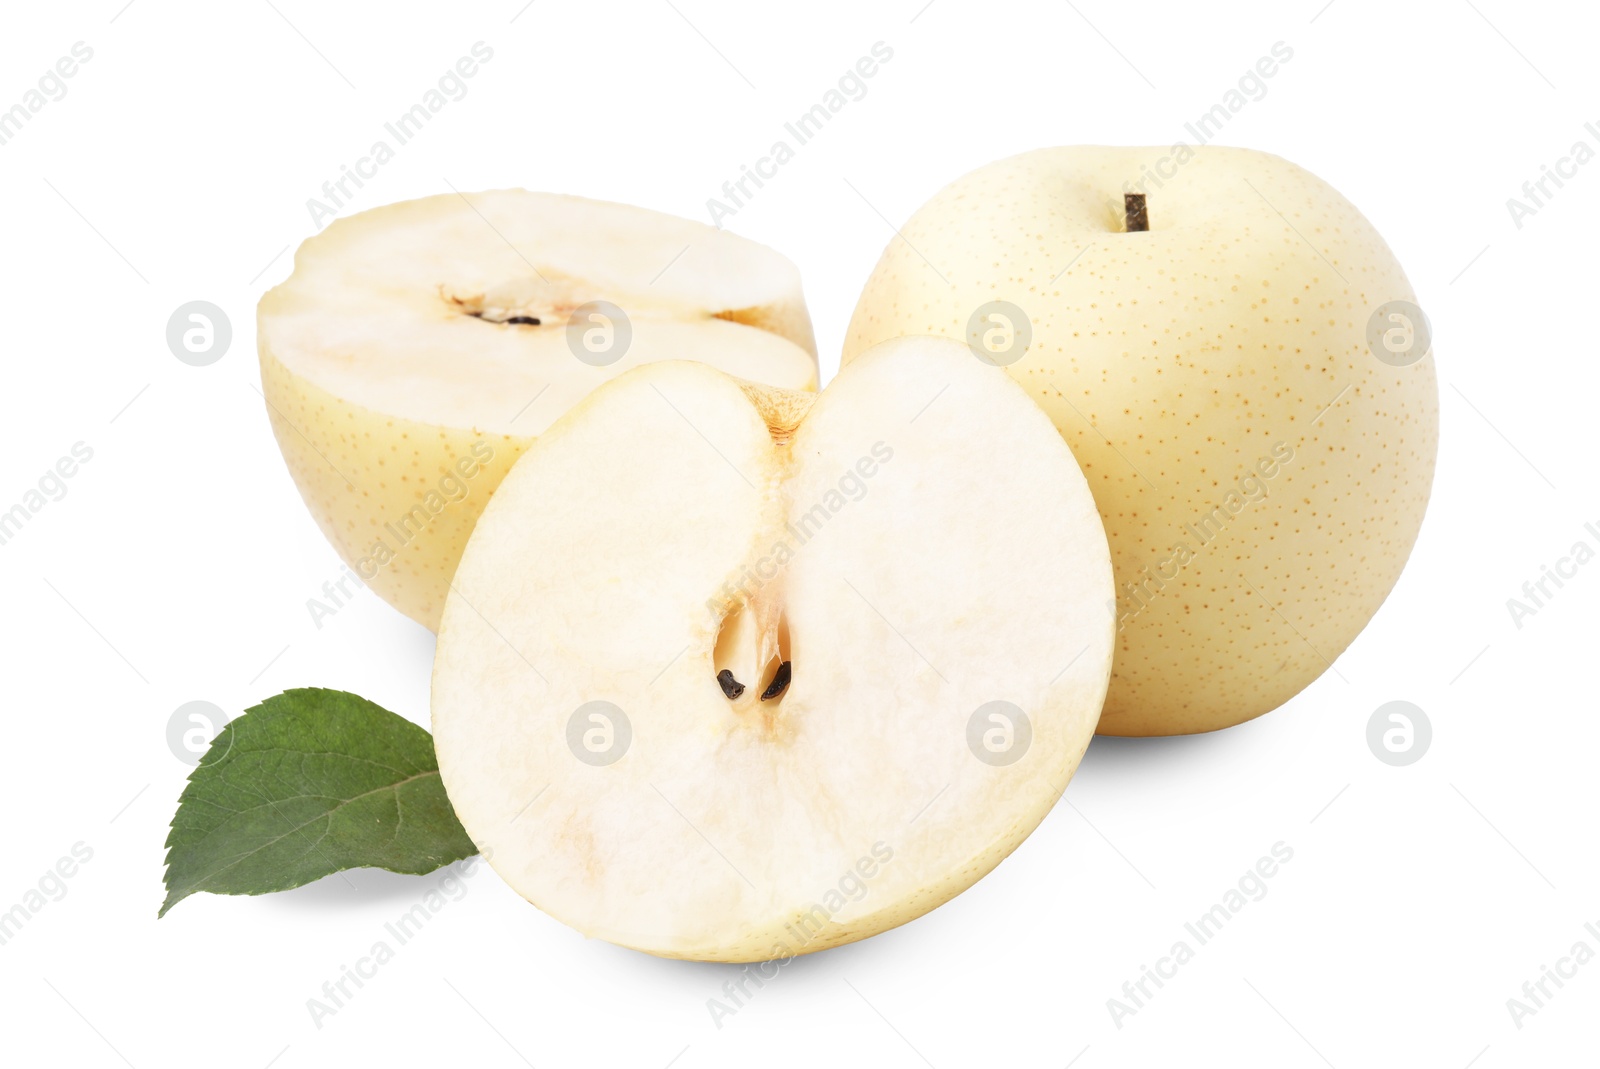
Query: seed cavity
526	321
731	688
780	681
491	313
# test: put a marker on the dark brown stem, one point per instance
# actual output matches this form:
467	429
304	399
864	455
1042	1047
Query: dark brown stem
1134	211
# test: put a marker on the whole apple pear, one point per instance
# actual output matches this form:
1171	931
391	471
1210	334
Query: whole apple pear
1248	385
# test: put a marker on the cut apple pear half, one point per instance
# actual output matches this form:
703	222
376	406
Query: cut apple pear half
417	349
733	673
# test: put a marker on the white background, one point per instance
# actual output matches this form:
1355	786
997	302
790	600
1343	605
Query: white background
178	565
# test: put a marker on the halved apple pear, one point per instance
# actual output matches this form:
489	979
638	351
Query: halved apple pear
734	673
417	349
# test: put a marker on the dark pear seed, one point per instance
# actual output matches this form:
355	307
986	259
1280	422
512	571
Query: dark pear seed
780	680
731	688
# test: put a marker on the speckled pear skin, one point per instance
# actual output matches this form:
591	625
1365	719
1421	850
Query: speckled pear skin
364	475
1183	365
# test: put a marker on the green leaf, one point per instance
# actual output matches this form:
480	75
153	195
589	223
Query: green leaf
305	784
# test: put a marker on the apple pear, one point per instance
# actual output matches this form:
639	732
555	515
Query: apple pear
735	673
1240	367
418	348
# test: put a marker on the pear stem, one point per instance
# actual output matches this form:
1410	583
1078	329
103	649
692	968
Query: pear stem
1134	211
